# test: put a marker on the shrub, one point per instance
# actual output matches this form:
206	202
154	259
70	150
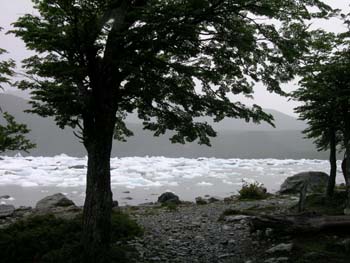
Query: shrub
46	239
252	191
170	206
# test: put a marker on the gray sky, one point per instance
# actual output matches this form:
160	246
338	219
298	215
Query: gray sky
10	10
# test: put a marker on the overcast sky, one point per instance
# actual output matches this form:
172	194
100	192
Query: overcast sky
10	10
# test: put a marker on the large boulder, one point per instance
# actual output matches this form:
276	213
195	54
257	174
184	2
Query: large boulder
168	198
315	181
6	210
58	205
54	201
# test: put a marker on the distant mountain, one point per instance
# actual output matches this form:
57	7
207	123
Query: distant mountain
236	138
283	122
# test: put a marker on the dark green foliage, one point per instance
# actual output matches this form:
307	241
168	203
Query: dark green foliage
252	191
170	206
317	94
149	55
325	94
123	227
6	68
12	135
51	240
321	204
321	248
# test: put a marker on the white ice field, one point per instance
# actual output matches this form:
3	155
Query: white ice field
138	180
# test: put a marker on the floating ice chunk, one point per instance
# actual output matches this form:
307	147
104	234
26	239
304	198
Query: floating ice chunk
172	184
204	184
29	184
228	182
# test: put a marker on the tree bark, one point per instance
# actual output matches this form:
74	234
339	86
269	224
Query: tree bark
343	168
333	163
97	206
98	138
347	159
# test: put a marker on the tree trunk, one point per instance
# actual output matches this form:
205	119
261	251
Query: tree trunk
347	161
98	139
343	168
333	163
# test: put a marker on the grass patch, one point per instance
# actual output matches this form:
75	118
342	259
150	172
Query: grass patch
46	239
319	248
252	191
170	206
320	204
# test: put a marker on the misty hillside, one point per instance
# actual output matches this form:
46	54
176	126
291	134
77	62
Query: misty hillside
236	139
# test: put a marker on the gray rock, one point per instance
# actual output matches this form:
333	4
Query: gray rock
226	227
229	255
23	211
64	212
201	201
347	211
77	167
53	201
236	218
283	247
345	244
268	232
168	198
316	182
213	200
277	260
6	210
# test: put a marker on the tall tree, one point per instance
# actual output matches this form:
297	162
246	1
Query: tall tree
318	107
324	125
325	92
171	61
12	134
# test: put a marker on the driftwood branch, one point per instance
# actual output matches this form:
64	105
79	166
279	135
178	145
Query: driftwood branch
301	223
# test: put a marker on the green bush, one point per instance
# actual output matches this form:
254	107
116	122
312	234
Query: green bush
252	191
46	239
170	206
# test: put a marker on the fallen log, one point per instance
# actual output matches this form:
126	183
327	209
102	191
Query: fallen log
299	224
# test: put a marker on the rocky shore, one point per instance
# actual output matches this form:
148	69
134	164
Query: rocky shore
185	232
210	230
202	233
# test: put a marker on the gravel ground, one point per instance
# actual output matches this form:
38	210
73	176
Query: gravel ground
194	233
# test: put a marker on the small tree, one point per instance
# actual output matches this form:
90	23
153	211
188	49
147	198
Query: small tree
12	134
318	110
98	60
325	92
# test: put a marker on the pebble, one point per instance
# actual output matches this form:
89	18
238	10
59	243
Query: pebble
194	233
281	248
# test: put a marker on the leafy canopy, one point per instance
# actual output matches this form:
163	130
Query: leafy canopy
171	61
12	134
325	90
